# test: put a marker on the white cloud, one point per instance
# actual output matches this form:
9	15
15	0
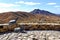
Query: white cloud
51	3
57	6
28	3
8	9
6	5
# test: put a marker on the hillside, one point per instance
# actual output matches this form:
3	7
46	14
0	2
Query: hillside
28	17
23	16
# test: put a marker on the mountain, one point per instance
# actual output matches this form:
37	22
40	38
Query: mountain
38	11
29	16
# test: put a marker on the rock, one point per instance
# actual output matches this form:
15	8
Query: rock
31	35
34	39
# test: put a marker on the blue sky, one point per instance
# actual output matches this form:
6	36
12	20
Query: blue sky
29	5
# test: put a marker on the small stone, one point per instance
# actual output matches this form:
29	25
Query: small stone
34	39
29	38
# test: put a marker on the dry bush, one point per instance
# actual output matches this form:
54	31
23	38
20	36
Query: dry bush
42	27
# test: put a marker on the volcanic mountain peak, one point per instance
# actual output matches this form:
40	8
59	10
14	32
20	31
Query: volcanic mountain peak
38	11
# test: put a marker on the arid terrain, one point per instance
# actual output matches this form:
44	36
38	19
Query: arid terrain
36	32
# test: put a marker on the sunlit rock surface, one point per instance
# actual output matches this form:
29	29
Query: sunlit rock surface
31	35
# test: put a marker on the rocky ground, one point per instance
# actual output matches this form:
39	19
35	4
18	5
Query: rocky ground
31	35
